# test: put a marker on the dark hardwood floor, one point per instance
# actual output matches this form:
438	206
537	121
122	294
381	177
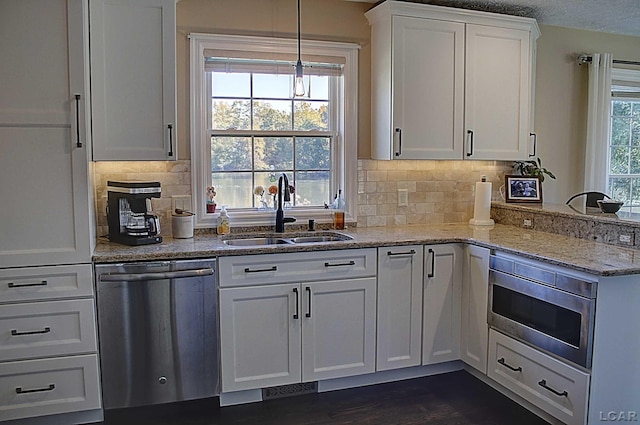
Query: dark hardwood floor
455	398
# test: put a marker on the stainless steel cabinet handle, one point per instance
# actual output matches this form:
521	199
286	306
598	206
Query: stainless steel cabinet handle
296	314
544	385
350	263
51	387
412	252
170	127
272	269
503	362
25	285
470	151
535	143
138	277
432	253
20	333
399	133
308	290
78	142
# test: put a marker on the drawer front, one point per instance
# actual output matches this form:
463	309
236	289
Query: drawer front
297	267
43	283
49	386
49	328
551	385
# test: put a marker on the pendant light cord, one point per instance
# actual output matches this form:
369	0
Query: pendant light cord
298	30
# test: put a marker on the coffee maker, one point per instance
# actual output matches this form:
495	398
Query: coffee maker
129	215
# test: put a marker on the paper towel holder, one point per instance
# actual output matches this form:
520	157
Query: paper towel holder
523	189
482	204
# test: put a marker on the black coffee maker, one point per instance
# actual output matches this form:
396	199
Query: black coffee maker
129	215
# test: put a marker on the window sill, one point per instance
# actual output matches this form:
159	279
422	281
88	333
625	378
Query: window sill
253	218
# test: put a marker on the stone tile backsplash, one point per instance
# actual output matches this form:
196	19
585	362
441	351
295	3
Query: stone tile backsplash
174	178
438	191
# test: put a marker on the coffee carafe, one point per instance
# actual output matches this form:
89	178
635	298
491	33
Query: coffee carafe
129	215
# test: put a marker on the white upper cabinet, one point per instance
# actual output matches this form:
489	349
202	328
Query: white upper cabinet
451	83
133	79
498	93
45	212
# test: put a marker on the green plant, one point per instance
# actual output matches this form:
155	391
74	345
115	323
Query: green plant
532	168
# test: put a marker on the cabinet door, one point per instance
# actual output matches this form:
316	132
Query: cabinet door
428	88
338	328
133	83
47	39
475	293
399	307
45	216
441	317
259	336
45	194
498	93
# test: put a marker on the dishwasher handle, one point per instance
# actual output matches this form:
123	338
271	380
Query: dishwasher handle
139	277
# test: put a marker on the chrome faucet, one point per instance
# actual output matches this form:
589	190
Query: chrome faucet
280	218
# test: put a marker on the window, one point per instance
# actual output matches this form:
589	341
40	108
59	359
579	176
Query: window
623	174
247	129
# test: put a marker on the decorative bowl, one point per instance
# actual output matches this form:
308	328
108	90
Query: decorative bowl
609	205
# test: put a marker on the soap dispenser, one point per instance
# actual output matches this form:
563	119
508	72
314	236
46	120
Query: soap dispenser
223	222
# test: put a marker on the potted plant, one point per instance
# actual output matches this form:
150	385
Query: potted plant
532	168
211	202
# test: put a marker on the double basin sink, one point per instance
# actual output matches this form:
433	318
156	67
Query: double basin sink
282	240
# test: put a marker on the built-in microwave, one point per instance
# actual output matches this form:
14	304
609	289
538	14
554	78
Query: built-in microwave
548	309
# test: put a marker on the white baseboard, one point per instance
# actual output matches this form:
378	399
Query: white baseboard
388	376
240	397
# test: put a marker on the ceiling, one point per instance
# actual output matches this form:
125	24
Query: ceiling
611	16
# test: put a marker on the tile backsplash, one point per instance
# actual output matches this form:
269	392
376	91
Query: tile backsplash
174	178
438	191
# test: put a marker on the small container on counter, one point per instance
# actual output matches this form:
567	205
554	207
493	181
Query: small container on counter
182	225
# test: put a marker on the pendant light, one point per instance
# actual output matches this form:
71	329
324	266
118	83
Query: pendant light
298	86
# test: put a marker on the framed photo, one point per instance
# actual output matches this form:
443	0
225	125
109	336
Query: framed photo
523	189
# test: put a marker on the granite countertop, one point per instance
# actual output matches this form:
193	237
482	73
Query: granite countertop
578	254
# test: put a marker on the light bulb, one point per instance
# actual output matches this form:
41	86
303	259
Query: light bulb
299	81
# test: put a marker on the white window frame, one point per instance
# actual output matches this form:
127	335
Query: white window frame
620	76
344	173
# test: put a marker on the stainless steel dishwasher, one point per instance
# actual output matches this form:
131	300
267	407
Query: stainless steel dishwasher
158	331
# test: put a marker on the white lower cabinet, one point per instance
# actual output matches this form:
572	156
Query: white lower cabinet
48	344
399	319
475	293
260	336
338	328
284	333
49	386
551	385
441	303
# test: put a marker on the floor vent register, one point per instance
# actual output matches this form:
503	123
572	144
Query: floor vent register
289	390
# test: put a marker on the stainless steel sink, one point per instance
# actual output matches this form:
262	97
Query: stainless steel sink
277	240
325	238
256	241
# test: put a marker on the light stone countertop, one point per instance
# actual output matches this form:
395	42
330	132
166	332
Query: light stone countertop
578	254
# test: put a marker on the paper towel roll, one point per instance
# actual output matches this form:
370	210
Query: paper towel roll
482	205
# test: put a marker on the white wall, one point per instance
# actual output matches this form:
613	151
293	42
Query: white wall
561	95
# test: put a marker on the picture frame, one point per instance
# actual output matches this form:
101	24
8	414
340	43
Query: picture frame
523	189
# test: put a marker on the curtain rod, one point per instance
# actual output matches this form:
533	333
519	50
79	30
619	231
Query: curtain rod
582	59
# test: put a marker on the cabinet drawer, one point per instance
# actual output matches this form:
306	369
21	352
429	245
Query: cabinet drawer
550	384
42	283
49	386
297	267
49	328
